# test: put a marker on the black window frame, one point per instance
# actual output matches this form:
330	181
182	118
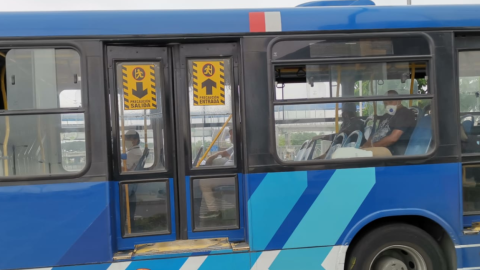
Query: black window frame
84	109
429	59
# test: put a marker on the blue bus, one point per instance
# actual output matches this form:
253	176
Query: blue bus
314	137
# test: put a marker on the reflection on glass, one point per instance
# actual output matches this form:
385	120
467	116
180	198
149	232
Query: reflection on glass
42	144
332	48
145	208
210	99
43	79
355	80
141	130
471	188
469	81
215	203
353	129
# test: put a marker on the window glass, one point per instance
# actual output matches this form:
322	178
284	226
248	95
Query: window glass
145	208
320	81
42	144
353	129
140	116
210	98
52	144
469	79
215	204
308	49
36	78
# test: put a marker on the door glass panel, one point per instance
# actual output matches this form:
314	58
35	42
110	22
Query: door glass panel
145	208
210	99
140	116
215	204
469	71
471	189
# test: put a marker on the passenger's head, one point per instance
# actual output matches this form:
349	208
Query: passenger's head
391	106
131	139
349	110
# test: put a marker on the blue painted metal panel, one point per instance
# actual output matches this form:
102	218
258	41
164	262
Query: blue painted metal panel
343	201
176	22
45	225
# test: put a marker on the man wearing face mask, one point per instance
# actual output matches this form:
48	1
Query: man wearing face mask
134	153
395	127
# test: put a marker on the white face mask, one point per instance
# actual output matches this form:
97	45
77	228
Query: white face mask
391	109
128	144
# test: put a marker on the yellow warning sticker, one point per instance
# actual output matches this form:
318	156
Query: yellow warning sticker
139	87
208	83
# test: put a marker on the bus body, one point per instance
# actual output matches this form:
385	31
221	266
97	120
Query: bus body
219	139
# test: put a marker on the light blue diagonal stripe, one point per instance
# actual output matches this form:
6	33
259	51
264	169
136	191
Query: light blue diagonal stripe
304	259
333	209
270	204
240	261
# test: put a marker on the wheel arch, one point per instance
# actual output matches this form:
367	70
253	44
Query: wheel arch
431	223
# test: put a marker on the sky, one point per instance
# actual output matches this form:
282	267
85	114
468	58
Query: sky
43	5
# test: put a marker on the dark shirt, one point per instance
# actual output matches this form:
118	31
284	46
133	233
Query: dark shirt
404	120
350	125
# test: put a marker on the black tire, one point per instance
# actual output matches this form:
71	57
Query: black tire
370	245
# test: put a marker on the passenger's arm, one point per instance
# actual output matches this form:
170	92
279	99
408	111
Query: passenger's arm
210	159
390	139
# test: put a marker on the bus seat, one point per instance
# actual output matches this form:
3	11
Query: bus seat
141	162
421	137
467	124
354	139
336	143
418	112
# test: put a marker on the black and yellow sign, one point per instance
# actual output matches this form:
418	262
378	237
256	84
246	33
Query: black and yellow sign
208	83
139	87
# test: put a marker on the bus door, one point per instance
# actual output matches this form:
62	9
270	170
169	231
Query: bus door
176	147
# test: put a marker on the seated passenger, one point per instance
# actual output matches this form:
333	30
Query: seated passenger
134	153
351	122
395	127
227	153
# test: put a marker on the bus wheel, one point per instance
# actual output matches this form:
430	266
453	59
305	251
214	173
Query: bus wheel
396	247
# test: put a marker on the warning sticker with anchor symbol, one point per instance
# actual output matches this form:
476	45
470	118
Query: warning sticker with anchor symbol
139	86
208	83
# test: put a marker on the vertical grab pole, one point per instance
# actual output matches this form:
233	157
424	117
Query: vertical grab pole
411	83
339	77
7	120
124	162
145	128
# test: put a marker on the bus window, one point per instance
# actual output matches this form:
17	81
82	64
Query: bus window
37	143
399	125
469	80
215	204
211	128
146	208
141	124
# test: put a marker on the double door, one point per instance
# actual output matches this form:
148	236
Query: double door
176	142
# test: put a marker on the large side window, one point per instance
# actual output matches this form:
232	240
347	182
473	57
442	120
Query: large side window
42	124
381	109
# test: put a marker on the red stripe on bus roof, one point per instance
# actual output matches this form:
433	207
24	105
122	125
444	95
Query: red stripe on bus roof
257	22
